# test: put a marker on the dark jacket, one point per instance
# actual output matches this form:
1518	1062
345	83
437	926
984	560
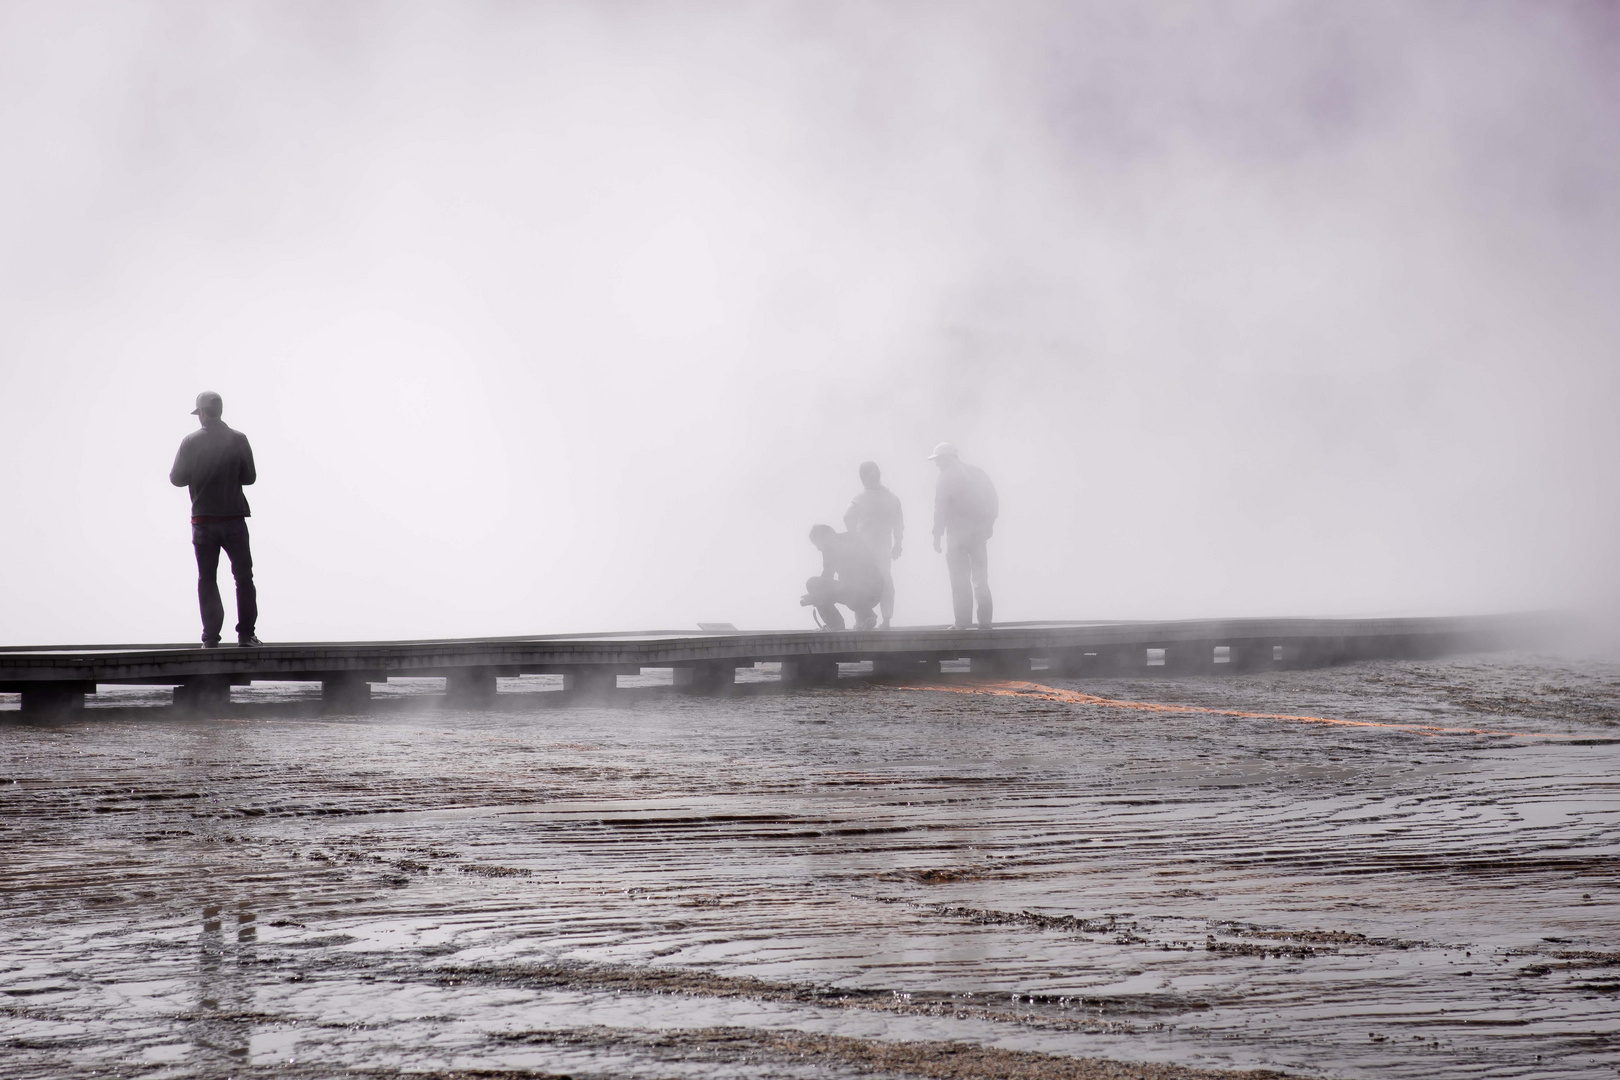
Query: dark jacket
214	462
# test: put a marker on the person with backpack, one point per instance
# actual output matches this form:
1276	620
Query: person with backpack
849	575
965	509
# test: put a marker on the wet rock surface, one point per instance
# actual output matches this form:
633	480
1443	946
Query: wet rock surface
863	880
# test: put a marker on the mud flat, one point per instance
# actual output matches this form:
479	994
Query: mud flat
1389	869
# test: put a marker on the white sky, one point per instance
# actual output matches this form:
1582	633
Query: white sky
554	317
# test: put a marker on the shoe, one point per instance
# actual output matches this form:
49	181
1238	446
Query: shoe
210	643
884	626
954	626
982	626
248	642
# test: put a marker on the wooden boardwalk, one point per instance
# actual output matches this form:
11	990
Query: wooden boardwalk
56	678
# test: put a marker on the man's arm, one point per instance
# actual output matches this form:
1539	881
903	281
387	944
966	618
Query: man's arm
180	475
248	473
899	525
852	516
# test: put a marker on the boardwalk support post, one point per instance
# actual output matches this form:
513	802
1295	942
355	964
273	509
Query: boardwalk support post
470	686
591	681
904	667
1072	664
204	693
707	678
1251	655
809	671
1000	665
1190	657
346	689
54	698
1123	660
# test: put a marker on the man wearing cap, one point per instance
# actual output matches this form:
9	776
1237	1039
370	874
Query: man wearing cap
214	463
965	509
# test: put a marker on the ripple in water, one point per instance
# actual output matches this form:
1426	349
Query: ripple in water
993	879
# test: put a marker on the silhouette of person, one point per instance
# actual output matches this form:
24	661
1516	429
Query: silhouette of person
874	516
215	462
965	509
849	576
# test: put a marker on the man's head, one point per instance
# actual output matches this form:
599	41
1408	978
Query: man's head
944	456
870	475
820	534
210	406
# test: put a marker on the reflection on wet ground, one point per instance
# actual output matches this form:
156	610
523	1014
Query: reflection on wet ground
969	880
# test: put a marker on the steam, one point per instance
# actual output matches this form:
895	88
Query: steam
577	316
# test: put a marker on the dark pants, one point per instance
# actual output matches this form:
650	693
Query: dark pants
967	558
206	539
826	593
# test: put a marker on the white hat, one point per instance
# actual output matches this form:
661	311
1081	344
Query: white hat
944	449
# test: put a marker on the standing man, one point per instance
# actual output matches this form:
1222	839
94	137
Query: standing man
965	508
874	516
215	463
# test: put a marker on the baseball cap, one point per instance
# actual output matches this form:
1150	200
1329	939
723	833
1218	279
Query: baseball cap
944	449
209	402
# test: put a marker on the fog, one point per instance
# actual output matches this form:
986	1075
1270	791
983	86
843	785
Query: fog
565	317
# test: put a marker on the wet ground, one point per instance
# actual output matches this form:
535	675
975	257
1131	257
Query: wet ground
985	880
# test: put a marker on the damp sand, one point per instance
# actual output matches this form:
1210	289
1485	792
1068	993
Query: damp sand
987	880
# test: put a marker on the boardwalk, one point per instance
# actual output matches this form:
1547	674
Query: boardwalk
56	678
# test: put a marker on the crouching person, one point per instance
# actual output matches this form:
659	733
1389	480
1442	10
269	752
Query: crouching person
850	575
